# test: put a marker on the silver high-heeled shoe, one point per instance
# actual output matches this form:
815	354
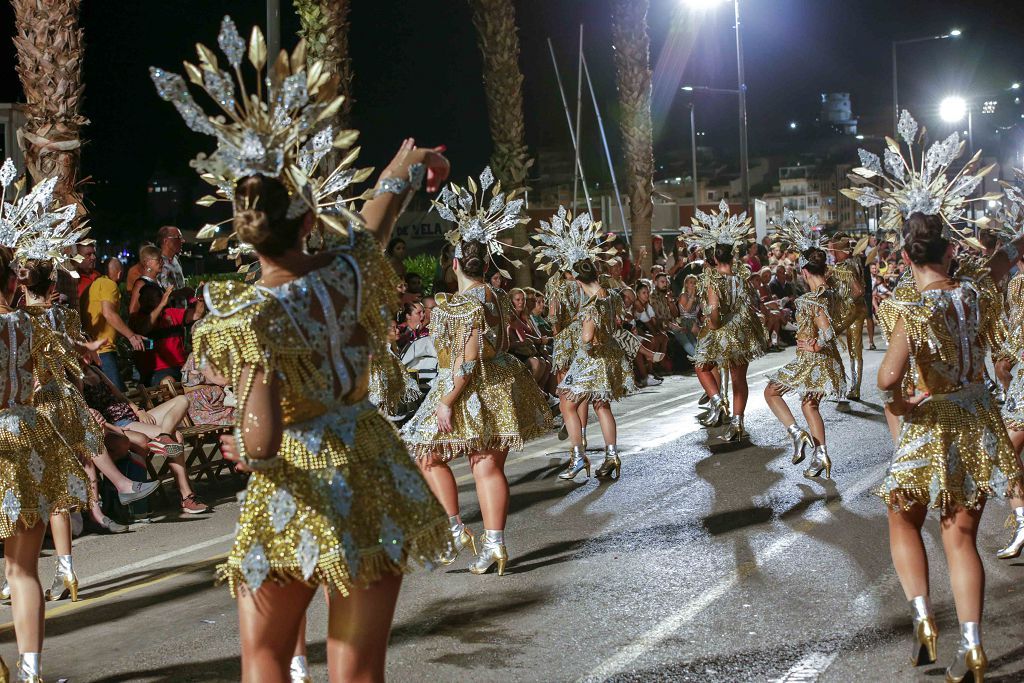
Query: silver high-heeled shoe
491	552
461	537
612	465
856	372
578	462
820	462
5	591
801	440
717	413
970	656
65	581
1016	544
736	432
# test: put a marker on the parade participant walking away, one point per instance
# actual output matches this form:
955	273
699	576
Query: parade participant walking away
333	499
732	334
846	280
484	402
600	371
952	448
565	298
817	371
38	470
391	385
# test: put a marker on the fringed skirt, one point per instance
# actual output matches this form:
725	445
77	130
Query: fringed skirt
813	375
602	373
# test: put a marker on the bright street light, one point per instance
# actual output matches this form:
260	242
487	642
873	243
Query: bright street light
953	109
701	4
688	88
1015	86
792	125
955	32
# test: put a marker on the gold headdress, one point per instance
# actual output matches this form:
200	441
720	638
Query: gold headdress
34	227
802	235
479	221
714	228
279	131
566	241
907	186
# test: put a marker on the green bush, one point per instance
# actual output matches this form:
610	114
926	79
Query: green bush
425	266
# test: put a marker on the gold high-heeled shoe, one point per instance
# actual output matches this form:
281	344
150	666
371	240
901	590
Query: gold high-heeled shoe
578	462
925	637
491	553
801	440
65	583
970	661
460	539
612	465
5	591
820	462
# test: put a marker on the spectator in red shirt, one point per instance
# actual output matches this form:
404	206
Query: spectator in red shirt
166	327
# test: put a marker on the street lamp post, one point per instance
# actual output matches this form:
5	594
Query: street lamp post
953	33
693	138
693	155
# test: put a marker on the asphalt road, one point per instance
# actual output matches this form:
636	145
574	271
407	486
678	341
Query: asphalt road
695	566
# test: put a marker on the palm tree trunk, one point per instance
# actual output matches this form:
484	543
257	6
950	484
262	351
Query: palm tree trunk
633	77
495	22
325	28
49	46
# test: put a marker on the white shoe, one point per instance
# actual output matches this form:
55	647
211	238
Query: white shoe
653	381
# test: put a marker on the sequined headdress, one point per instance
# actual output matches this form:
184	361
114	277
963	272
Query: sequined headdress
721	227
478	219
279	130
568	240
802	235
907	185
34	227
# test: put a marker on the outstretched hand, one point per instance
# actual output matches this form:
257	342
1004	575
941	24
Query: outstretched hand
433	158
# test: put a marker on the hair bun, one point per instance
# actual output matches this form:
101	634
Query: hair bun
923	241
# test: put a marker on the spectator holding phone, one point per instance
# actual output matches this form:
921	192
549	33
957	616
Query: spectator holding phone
165	326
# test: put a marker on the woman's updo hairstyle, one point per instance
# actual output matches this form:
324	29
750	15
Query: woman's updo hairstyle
723	253
586	271
473	259
36	277
261	215
815	261
922	239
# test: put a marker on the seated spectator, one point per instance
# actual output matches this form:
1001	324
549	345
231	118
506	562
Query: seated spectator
167	327
411	324
421	357
538	313
209	402
150	264
497	280
101	319
395	252
666	310
646	325
771	309
158	429
413	288
689	315
444	277
429	304
751	259
525	345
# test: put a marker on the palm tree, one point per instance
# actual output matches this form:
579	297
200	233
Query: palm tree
632	47
325	27
495	22
49	46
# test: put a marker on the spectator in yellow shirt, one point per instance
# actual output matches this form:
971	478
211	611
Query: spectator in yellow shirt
101	319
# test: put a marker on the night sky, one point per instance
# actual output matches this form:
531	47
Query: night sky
417	72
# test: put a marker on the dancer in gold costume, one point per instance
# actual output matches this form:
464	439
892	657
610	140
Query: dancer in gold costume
952	451
600	371
817	371
732	334
484	402
38	470
333	499
846	280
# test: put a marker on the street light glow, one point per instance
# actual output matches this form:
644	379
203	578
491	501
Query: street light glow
702	4
860	137
953	109
688	88
1015	86
792	125
989	107
955	32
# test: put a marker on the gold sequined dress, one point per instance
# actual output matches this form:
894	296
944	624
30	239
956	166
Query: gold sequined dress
391	386
342	505
845	278
888	313
1013	408
38	471
952	450
569	299
501	407
601	370
741	337
820	373
57	397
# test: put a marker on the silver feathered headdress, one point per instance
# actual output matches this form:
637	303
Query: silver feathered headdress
281	130
566	241
1010	216
906	185
802	235
34	227
478	219
710	229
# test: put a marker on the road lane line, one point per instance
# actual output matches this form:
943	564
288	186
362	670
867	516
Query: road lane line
670	624
810	667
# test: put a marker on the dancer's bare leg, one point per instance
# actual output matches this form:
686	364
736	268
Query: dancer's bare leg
812	413
441	482
907	549
21	566
966	573
358	630
268	621
488	469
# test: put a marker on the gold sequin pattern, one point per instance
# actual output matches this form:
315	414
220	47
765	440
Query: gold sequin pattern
600	371
741	337
391	386
819	374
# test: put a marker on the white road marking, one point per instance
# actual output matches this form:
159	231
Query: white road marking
808	669
123	571
670	624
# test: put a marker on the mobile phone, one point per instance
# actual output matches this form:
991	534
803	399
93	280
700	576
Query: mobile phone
147	344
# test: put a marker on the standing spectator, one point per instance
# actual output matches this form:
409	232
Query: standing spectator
169	240
396	255
150	265
166	326
136	271
101	318
87	272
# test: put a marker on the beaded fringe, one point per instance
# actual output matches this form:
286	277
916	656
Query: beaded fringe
904	498
449	450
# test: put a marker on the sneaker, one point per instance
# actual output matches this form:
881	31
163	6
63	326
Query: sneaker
193	506
653	381
140	490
